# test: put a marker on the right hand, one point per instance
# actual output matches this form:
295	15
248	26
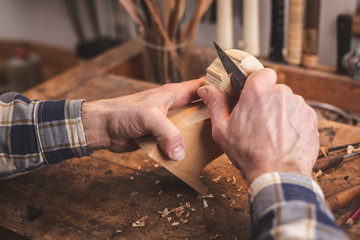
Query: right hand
270	129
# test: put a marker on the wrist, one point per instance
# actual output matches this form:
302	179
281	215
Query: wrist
93	115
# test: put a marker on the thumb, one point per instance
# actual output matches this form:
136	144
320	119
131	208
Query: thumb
217	105
168	136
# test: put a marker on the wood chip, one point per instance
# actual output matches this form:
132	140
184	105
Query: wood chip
214	237
232	203
187	215
185	220
209	195
118	231
169	219
179	195
229	162
132	178
164	212
217	179
156	165
223	195
140	222
160	192
157	182
205	203
193	209
175	224
234	179
187	204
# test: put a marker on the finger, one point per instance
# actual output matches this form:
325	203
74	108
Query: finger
168	135
217	105
180	94
263	78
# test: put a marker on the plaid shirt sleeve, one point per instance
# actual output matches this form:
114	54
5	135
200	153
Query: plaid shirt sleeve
290	206
36	133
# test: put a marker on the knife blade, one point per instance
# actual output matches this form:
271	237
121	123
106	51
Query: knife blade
237	77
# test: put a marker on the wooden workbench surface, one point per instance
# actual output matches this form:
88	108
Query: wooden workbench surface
99	197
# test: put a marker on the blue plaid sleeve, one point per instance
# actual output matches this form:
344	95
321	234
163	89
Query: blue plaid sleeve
35	133
290	206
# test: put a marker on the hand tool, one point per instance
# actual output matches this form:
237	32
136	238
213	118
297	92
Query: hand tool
295	32
224	26
340	199
311	34
353	217
237	77
325	150
331	161
277	31
251	27
344	23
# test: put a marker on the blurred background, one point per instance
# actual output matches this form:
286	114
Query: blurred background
48	29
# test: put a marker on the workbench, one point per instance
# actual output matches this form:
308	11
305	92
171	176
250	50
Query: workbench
100	197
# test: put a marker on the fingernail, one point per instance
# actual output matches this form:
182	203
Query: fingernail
178	153
202	92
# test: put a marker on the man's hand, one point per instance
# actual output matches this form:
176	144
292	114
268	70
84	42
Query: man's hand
114	123
270	129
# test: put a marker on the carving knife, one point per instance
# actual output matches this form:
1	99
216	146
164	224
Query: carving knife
237	77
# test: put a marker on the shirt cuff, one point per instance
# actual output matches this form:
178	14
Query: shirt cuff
269	191
59	130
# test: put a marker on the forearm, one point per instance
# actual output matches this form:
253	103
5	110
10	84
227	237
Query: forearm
35	133
290	206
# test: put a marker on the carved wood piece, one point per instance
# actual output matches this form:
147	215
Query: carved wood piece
194	123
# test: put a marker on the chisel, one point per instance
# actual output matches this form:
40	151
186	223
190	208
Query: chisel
331	161
325	150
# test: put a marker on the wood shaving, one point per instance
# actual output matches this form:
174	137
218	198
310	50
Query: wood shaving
217	179
157	182
239	195
317	174
178	195
228	179
187	204
175	224
193	209
223	195
351	149
140	222
232	203
239	189
164	212
205	203
185	220
160	192
187	215
178	211
118	231
169	219
214	237
234	179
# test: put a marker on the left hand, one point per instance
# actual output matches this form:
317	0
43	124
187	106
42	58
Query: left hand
114	123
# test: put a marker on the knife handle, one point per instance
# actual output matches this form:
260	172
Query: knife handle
277	31
344	24
295	33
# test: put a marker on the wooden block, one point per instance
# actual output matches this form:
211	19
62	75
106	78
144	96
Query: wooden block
194	123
